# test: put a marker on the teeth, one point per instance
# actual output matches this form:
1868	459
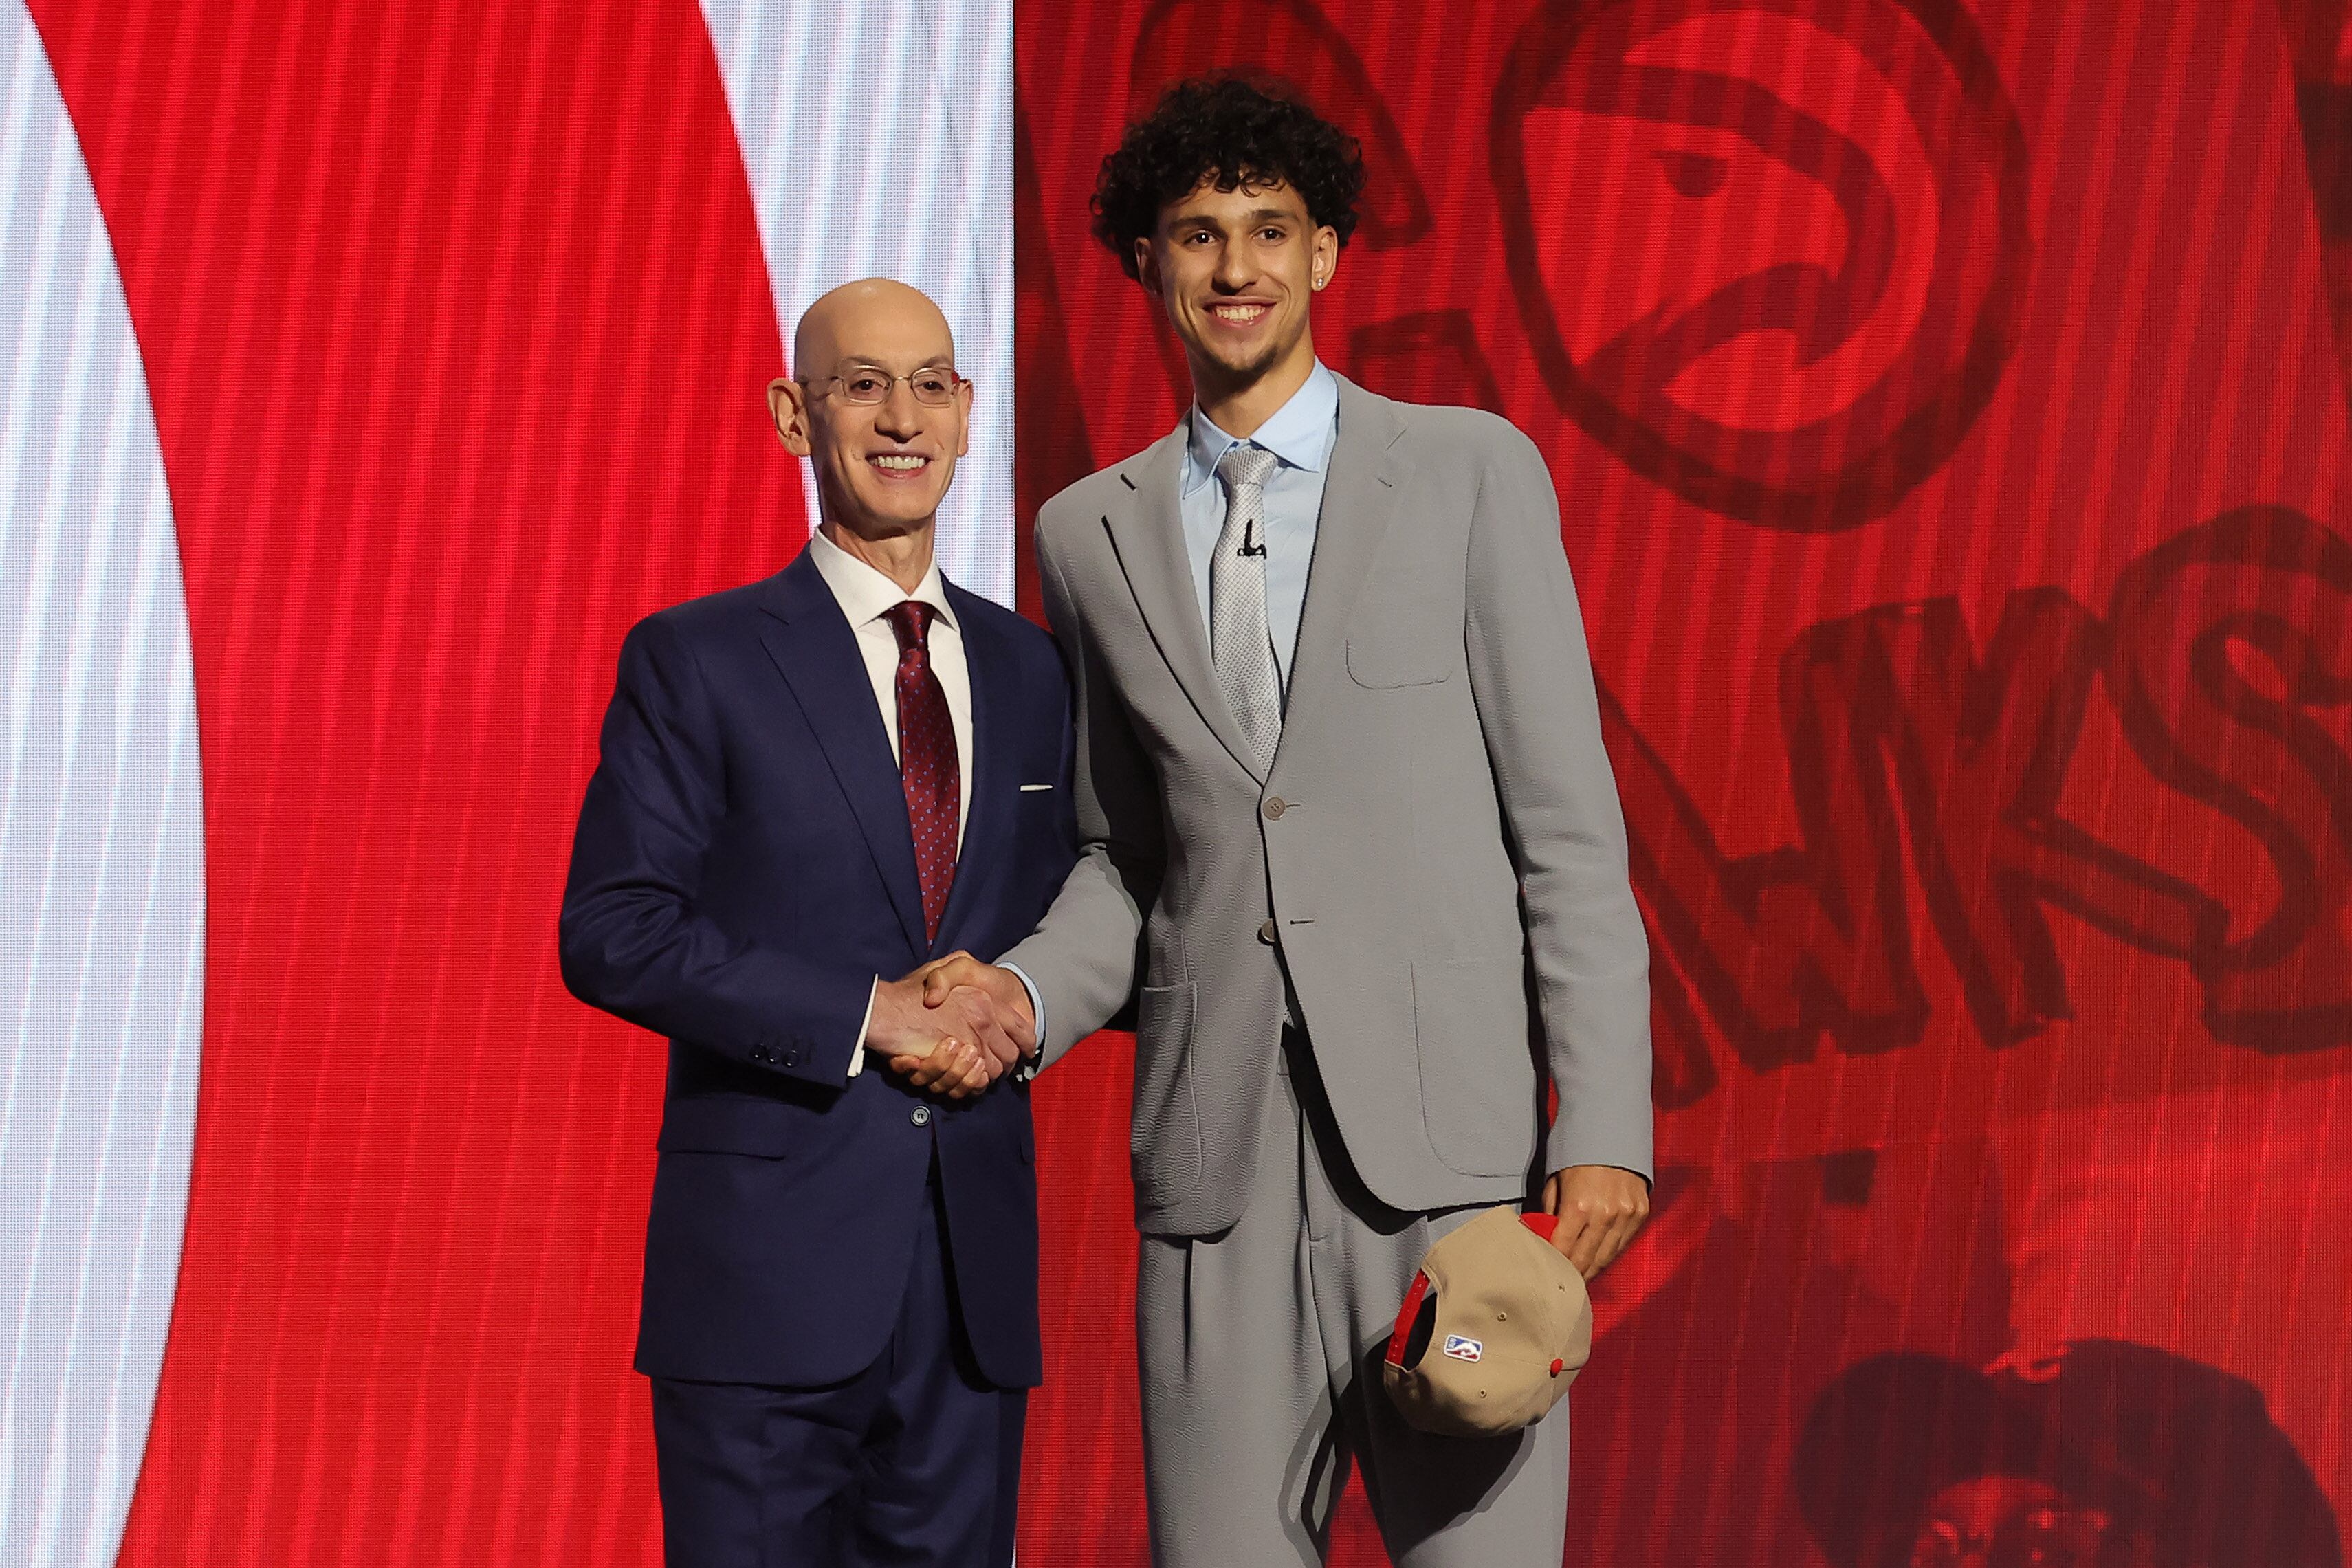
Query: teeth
1238	312
899	463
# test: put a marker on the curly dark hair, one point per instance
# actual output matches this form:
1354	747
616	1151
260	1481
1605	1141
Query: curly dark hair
1237	132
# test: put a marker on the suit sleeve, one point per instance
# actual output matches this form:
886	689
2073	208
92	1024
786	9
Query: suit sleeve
1083	958
631	939
1531	676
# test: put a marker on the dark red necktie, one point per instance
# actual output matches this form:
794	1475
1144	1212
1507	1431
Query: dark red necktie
926	760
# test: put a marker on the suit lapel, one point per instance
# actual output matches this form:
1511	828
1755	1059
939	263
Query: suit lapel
1148	533
815	650
1359	495
988	664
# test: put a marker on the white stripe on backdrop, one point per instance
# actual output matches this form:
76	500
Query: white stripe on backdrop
878	139
101	855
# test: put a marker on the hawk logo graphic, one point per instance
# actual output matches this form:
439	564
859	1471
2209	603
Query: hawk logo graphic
1461	1349
1840	189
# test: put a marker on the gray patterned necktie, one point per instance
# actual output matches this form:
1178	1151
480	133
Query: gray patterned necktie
1239	641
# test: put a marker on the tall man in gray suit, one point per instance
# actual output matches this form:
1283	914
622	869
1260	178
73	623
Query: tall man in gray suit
1348	820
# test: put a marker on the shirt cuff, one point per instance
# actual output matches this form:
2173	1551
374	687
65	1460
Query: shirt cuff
1028	1068
857	1057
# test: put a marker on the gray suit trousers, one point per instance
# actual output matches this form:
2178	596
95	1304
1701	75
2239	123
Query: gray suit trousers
1260	1346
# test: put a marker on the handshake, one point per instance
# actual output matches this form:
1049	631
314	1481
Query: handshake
953	1027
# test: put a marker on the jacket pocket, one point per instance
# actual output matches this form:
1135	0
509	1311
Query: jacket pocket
1478	1070
1403	655
1164	1143
721	1126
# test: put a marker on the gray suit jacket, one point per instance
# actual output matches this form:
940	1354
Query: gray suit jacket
1437	853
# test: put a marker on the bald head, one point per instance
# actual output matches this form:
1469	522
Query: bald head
855	407
879	320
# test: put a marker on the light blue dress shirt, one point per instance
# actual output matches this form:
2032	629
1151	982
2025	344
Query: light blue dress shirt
1300	435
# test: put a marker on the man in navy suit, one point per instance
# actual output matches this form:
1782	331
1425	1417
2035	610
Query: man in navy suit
809	786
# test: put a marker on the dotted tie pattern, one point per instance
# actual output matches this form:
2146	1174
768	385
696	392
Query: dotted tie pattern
926	760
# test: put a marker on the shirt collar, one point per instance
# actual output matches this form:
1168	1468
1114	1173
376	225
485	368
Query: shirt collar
865	594
1299	433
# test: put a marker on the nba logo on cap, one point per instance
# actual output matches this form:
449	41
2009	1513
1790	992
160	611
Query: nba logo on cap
1461	1349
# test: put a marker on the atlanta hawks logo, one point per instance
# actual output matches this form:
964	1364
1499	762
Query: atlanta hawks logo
1772	253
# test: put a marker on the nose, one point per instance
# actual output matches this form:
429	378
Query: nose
899	415
1234	271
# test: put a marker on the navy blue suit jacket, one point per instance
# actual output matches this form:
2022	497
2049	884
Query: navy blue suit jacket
742	872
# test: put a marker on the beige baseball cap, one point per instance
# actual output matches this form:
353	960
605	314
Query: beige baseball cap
1492	1332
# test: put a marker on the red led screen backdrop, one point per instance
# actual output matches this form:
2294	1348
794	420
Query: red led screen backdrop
374	367
1948	405
445	311
1946	409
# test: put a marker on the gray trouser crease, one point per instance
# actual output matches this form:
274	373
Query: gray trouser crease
1260	1349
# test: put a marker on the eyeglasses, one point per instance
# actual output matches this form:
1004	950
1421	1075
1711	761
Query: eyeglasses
934	386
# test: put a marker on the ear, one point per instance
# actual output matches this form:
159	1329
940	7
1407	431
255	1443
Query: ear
788	406
963	419
1146	266
1325	264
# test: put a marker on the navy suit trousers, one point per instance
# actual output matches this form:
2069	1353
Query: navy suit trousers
915	1460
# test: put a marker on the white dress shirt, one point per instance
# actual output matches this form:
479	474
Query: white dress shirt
866	597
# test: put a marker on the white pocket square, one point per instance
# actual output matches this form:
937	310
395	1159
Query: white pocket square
1036	787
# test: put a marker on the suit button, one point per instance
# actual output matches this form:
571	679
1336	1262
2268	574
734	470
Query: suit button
1274	807
1265	933
792	1059
920	1115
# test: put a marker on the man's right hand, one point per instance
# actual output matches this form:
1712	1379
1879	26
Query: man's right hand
960	975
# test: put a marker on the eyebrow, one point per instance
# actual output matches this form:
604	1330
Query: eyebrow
1255	215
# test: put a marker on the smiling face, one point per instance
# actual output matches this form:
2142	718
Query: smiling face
1236	271
882	468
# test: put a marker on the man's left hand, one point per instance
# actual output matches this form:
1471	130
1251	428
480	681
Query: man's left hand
1599	1208
954	1068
